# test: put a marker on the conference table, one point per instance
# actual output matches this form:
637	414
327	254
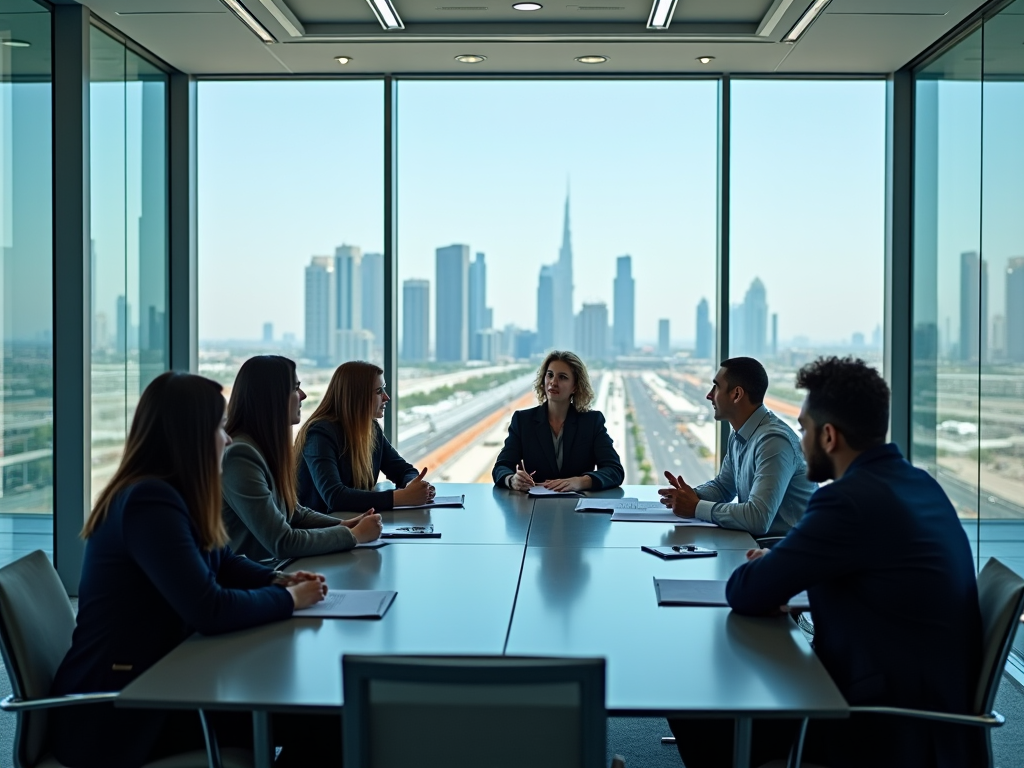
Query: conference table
525	576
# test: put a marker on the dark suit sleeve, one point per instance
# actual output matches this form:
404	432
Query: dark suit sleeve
395	468
821	547
511	453
156	531
240	572
323	456
609	473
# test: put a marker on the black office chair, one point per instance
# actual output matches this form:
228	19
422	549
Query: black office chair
465	711
36	622
1001	595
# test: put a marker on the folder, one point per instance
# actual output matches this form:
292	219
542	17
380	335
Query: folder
707	593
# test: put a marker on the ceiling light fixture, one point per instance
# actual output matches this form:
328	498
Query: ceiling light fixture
249	20
527	6
386	14
661	14
343	59
705	59
16	43
805	21
591	59
470	58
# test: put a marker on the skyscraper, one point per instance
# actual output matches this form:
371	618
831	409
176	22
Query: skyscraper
348	287
737	330
452	303
546	309
664	340
479	316
1015	309
124	317
268	333
373	297
624	310
415	321
321	312
755	320
592	331
973	307
775	334
562	330
705	332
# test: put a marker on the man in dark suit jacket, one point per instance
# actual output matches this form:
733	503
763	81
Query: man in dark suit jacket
587	449
890	577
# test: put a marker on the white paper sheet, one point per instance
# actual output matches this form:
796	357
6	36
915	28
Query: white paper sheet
439	501
653	515
349	604
540	490
613	505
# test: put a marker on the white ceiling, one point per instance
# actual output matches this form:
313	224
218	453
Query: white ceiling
851	37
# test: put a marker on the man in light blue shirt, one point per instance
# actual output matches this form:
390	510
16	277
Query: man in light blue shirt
764	468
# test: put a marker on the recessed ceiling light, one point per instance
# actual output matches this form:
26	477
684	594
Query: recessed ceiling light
805	21
705	59
591	59
661	14
386	14
470	58
527	6
250	21
343	59
16	43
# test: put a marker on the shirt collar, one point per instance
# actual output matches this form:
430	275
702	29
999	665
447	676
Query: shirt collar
751	424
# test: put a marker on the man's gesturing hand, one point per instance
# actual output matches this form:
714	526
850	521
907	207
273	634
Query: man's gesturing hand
680	497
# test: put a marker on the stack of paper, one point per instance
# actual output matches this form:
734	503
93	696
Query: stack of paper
656	515
540	490
438	501
349	604
612	505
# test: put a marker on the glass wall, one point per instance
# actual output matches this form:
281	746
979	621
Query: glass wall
128	165
807	194
291	243
539	215
968	345
26	269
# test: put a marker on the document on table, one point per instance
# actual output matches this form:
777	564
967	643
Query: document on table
540	490
375	544
439	501
349	604
655	515
708	593
613	505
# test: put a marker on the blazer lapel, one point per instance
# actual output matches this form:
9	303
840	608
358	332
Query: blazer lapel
547	446
569	434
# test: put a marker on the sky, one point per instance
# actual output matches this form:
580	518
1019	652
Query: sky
288	170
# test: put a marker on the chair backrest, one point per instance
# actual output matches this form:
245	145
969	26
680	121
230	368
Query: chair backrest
1001	596
462	711
36	623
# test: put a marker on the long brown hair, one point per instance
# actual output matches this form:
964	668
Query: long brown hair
583	397
173	438
348	403
258	408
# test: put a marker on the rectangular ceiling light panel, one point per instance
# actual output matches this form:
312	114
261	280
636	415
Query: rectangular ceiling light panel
805	21
386	14
661	14
249	20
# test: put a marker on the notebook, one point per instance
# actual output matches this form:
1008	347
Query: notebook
349	604
706	593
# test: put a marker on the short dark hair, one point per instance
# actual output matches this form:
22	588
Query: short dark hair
746	372
850	395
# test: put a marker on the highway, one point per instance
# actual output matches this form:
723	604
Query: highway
667	449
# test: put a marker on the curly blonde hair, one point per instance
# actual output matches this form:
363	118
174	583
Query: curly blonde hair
583	397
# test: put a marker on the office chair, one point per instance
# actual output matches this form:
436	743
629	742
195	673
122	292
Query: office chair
1001	596
36	622
462	711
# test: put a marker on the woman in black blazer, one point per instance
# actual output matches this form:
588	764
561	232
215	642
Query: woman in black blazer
561	444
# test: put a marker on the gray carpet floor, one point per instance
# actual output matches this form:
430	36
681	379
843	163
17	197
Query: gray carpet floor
638	740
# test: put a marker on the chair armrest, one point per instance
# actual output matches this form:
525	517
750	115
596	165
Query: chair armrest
13	704
992	720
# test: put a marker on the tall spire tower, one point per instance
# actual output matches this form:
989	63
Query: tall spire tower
563	314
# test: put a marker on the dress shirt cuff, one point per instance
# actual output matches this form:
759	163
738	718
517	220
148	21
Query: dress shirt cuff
704	510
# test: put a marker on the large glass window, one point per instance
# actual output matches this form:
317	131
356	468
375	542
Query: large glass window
807	240
128	166
539	215
291	226
26	269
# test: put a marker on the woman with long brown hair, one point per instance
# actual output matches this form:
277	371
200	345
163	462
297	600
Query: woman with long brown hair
155	570
261	511
341	449
561	444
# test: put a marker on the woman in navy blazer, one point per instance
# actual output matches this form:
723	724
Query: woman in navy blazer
561	444
155	570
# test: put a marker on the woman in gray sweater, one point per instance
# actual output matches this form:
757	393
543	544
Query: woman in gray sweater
261	512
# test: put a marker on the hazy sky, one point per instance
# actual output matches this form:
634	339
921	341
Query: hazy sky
288	170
